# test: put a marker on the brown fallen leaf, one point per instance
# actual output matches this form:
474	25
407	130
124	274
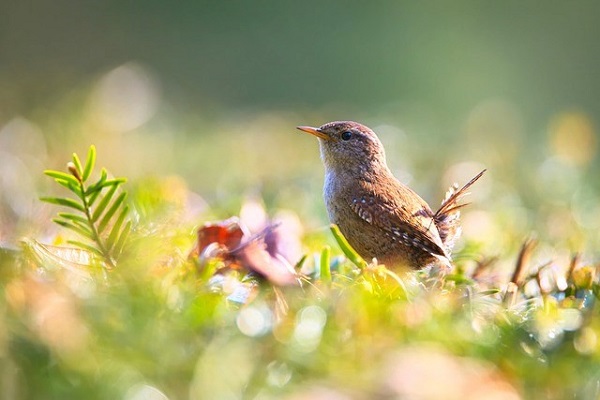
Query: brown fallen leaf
230	242
254	255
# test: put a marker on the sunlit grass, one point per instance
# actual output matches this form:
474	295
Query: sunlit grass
162	324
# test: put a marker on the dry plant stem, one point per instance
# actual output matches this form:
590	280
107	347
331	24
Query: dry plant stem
522	260
572	266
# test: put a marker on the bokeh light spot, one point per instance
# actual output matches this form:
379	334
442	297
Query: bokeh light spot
309	328
254	321
145	392
125	98
572	138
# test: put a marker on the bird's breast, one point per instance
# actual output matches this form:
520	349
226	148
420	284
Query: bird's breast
338	193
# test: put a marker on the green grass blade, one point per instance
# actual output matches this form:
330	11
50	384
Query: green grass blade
66	202
89	163
111	211
301	262
114	233
346	248
103	203
324	265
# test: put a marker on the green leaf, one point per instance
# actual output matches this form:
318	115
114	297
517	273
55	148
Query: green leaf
460	279
95	188
116	228
62	177
301	262
77	163
324	265
76	228
73	217
346	248
489	292
122	239
89	163
49	257
93	195
86	227
86	247
110	182
111	211
64	202
75	188
103	203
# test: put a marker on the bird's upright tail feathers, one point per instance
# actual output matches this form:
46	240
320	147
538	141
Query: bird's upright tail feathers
447	218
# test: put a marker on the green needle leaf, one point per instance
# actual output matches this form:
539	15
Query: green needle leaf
61	177
73	217
74	227
92	198
63	202
75	188
103	203
116	228
77	163
89	163
87	247
122	238
111	211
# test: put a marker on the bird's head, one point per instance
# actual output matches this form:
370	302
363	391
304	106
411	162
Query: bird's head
349	145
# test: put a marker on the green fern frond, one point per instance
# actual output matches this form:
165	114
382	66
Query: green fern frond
101	218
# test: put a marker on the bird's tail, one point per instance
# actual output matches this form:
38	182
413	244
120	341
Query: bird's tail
447	218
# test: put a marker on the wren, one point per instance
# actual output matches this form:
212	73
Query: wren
381	217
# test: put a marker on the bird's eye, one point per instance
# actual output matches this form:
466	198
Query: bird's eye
346	135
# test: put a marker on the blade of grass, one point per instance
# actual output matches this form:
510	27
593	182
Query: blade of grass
324	265
300	263
346	248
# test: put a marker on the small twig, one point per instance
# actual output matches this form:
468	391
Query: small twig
522	260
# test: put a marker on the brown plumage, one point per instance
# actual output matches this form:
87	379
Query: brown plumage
381	217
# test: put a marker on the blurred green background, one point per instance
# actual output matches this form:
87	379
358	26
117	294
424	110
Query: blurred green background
211	92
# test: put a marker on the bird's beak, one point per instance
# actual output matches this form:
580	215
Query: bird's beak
314	131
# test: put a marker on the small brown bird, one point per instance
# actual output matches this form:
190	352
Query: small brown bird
381	217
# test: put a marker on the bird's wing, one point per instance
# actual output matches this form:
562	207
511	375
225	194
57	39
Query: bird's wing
391	215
